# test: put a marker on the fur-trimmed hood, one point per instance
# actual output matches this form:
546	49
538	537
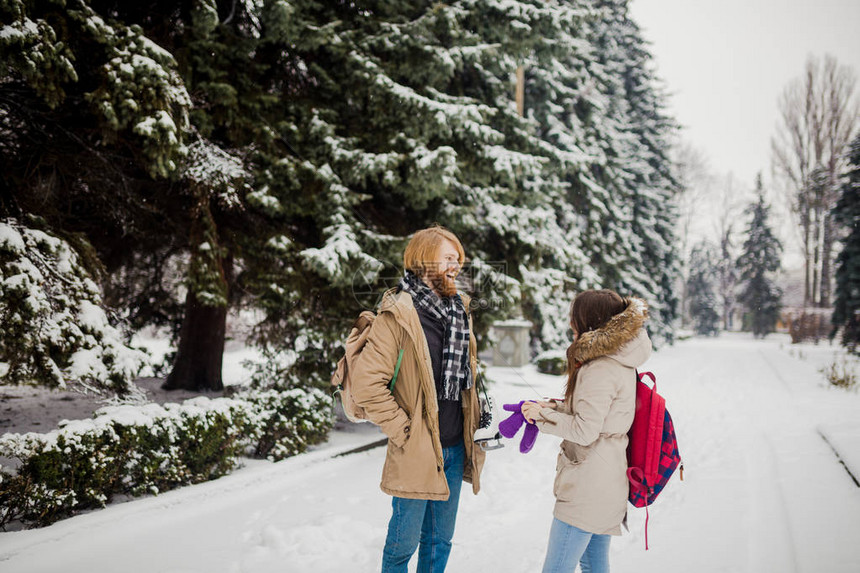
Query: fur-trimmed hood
615	338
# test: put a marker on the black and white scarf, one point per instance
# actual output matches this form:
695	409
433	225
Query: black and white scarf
456	373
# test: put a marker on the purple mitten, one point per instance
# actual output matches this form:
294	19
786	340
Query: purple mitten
529	437
511	425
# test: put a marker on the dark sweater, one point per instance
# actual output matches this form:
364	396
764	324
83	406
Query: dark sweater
450	411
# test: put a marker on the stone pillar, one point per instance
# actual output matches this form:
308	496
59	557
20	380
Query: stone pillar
512	343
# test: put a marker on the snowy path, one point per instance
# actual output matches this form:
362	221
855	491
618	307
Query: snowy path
763	491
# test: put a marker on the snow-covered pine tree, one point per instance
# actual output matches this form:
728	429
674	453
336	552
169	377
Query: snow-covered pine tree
92	122
343	128
108	139
611	214
55	331
216	53
523	217
644	185
596	120
372	138
758	262
846	311
412	121
701	290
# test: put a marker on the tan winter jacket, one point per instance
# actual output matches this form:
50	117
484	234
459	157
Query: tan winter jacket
591	473
414	467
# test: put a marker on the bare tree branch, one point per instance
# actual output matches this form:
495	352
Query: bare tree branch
818	115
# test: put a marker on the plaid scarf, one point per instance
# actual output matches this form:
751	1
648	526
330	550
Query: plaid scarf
456	373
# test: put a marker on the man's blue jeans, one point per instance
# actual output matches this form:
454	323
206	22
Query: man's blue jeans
430	523
569	545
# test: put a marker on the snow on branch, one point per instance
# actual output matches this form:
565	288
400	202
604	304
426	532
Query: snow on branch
208	166
341	257
55	329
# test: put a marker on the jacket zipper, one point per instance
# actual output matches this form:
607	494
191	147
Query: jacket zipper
440	459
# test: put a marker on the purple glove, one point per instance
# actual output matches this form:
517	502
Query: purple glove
529	438
511	425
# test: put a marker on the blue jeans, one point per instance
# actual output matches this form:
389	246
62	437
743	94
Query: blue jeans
569	545
430	523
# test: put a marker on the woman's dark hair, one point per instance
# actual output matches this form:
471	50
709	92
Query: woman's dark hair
590	310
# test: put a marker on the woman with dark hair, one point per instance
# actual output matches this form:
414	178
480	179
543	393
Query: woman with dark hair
609	343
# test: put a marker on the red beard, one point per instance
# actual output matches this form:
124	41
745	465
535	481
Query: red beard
444	286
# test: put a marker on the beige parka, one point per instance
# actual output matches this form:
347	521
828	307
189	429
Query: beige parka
591	485
414	466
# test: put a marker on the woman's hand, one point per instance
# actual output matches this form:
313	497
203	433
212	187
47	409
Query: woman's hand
531	409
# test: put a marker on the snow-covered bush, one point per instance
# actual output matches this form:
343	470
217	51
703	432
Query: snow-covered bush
282	424
54	329
841	374
136	450
551	362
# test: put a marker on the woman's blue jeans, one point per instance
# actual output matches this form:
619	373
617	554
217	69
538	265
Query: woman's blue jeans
425	522
569	545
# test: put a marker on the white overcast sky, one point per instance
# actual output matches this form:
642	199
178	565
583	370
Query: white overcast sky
726	62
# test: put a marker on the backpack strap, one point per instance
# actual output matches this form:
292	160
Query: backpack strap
639	483
649	375
361	322
399	360
396	370
646	527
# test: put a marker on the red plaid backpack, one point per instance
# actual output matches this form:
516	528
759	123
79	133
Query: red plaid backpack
652	449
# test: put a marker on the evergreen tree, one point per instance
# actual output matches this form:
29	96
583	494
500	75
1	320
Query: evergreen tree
591	96
727	273
277	155
701	290
758	262
132	161
92	122
408	121
648	187
534	229
54	329
846	311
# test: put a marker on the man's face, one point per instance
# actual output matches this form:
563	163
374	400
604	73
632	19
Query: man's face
442	272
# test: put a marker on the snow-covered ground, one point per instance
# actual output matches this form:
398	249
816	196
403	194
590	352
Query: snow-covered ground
763	491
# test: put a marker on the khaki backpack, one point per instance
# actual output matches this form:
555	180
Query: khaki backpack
340	380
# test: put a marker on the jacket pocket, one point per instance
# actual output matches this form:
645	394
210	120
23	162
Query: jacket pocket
403	434
575	453
565	474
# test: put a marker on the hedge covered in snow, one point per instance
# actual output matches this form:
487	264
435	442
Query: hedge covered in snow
551	362
138	450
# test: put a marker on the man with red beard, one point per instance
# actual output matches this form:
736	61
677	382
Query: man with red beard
432	413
